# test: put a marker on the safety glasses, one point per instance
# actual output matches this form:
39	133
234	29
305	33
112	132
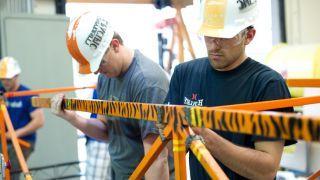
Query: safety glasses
227	42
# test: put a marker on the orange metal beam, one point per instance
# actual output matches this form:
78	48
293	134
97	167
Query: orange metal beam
15	143
24	143
4	145
180	40
205	158
274	104
314	176
21	142
153	153
303	82
44	91
179	155
183	30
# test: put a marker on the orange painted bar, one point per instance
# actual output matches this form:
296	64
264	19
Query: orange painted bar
24	143
152	154
184	31
44	91
179	155
303	82
314	176
21	142
274	104
4	145
205	158
15	143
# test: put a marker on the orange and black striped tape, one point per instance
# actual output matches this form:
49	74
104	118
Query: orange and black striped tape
268	124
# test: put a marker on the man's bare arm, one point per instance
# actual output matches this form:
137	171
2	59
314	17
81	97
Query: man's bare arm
95	128
160	168
259	163
37	121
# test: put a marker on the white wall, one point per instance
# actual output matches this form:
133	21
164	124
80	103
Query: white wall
44	7
38	43
303	27
302	21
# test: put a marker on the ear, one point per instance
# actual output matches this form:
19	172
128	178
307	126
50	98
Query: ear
16	77
250	35
115	44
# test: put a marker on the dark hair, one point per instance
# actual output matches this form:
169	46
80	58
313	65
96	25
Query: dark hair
250	27
118	37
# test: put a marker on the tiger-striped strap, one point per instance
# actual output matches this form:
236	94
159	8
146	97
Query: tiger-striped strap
268	124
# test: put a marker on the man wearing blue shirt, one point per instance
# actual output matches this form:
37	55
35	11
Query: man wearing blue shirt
24	117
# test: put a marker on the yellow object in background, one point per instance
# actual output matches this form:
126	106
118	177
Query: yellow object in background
295	61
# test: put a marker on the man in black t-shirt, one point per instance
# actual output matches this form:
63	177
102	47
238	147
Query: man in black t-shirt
228	76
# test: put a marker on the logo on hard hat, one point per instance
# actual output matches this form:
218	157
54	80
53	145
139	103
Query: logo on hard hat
97	32
246	4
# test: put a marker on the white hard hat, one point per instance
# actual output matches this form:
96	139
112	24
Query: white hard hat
88	38
226	18
9	68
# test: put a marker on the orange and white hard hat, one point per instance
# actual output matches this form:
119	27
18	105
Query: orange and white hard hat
88	37
9	68
226	18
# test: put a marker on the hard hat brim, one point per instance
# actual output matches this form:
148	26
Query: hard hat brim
218	33
10	76
95	63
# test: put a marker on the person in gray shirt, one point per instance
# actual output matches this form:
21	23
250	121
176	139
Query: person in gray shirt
125	75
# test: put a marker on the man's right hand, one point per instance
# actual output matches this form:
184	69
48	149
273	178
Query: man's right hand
56	107
93	128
